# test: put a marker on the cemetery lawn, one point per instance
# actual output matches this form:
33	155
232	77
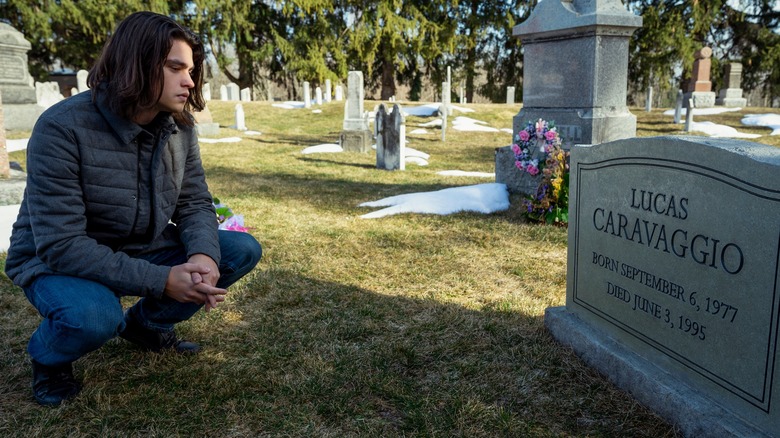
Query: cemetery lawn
408	325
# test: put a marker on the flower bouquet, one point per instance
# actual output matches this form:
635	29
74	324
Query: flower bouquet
227	219
538	150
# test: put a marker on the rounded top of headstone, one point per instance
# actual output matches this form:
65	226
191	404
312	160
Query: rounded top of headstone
9	35
703	53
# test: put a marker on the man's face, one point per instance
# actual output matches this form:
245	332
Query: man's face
178	82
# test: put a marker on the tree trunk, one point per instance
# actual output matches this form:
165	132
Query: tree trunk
388	79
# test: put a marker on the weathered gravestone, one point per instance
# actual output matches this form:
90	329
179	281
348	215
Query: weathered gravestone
240	118
246	95
206	92
223	93
510	95
575	74
673	283
355	137
390	139
12	181
328	90
678	106
731	93
233	92
306	94
339	93
16	84
204	123
318	96
700	86
81	80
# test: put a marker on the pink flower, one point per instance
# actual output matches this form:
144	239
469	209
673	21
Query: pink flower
533	170
519	165
539	128
524	136
550	135
516	148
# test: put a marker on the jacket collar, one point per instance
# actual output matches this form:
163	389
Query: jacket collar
126	129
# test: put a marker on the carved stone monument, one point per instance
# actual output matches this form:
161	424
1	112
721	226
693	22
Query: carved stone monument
204	123
575	74
306	94
700	86
731	93
16	84
390	138
680	310
355	136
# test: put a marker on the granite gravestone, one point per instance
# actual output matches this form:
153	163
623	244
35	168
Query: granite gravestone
673	283
16	84
575	74
731	94
355	136
700	86
390	139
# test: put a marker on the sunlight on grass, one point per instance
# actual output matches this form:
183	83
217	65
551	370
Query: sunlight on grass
409	325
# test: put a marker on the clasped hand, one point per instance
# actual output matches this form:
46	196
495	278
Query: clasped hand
195	282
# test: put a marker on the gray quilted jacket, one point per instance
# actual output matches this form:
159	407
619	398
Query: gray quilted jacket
91	203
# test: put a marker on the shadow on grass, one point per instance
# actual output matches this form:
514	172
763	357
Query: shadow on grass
338	163
297	356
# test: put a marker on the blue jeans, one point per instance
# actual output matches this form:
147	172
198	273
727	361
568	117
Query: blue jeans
81	315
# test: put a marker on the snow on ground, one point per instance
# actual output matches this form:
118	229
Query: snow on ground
418	131
768	120
716	130
219	140
480	198
16	145
290	104
432	124
7	218
431	109
704	111
461	123
464	173
320	148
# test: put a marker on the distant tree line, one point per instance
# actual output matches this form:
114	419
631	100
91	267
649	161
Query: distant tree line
397	42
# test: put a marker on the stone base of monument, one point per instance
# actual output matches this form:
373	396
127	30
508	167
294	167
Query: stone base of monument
661	391
507	173
207	129
21	117
701	99
355	141
12	189
731	98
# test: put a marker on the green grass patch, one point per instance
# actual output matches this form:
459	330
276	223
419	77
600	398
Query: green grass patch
409	325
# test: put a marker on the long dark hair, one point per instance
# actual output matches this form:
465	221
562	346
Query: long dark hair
131	64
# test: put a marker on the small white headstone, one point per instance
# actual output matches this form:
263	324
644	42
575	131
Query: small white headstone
328	90
206	92
81	80
339	93
306	95
233	92
240	122
246	95
318	95
223	93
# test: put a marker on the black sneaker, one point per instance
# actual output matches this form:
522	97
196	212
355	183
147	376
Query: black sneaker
156	341
52	385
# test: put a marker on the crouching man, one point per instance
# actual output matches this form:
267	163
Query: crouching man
117	204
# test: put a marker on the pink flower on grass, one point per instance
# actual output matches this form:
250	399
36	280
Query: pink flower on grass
524	136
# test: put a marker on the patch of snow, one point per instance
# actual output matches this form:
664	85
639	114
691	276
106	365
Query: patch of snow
481	198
